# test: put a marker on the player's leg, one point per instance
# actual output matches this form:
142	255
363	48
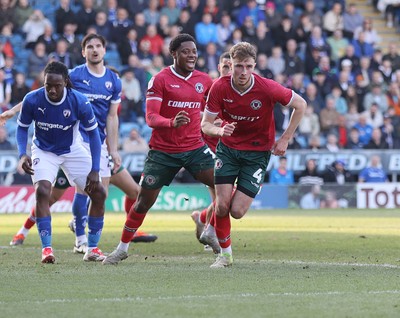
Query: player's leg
77	165
46	166
124	181
23	232
159	170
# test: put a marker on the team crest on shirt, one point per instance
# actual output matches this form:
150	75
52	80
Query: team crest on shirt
66	113
255	104
218	164
108	84
150	180
199	87
36	161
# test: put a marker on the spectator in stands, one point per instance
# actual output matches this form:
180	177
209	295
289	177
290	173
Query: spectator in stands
329	117
284	32
74	45
144	53
248	29
387	71
352	101
135	65
273	17
352	19
86	16
213	8
282	117
337	173
333	19
290	11
309	124
9	70
263	39
313	98
338	45
5	144
310	174
298	83
205	31
122	25
314	143
393	55
377	142
374	172
139	24
34	27
388	133
37	61
332	144
128	46
262	66
373	115
49	39
377	96
364	130
211	57
303	32
322	83
172	11
62	55
236	37
353	141
152	13
346	77
251	9
371	35
64	15
276	62
342	131
135	143
281	175
315	14
317	41
393	97
7	12
19	89
312	199
349	55
132	98
361	47
155	40
134	6
196	10
103	25
294	144
376	59
19	177
23	10
185	22
224	30
340	101
5	93
363	78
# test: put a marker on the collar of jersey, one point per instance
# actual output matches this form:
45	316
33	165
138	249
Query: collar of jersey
178	75
247	90
58	103
94	74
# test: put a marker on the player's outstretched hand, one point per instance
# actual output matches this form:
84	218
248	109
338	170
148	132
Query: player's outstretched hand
116	158
279	147
26	164
92	181
6	116
228	129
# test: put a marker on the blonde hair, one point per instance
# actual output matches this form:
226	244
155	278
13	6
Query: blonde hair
242	51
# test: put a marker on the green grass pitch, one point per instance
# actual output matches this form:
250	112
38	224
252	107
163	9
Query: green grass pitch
287	263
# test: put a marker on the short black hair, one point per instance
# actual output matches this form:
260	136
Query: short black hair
224	55
56	67
178	40
92	36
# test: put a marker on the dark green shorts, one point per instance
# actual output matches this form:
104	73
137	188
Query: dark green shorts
160	167
248	167
61	180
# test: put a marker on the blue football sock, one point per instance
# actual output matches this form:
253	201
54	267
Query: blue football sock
80	212
95	229
44	229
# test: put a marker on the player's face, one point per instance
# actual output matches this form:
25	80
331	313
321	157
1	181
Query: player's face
242	70
54	85
185	58
94	51
224	67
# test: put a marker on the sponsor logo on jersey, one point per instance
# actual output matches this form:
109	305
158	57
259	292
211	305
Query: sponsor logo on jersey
199	87
255	104
180	104
174	86
66	113
42	110
48	126
228	100
242	118
87	82
108	84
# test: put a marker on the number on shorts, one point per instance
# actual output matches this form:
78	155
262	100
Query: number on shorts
258	175
208	150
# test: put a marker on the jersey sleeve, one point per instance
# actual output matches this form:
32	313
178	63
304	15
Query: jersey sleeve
155	89
280	93
116	97
214	104
86	114
25	116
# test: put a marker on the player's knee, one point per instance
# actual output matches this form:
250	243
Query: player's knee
237	213
43	192
99	194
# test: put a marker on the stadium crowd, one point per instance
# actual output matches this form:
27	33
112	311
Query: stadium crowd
326	51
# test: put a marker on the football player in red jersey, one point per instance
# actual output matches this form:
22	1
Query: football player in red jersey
245	102
173	109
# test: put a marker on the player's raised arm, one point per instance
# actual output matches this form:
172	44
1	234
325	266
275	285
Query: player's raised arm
9	113
209	127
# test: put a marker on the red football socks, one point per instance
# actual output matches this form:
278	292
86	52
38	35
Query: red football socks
133	221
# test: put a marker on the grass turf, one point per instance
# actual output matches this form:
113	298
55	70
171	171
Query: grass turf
326	263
